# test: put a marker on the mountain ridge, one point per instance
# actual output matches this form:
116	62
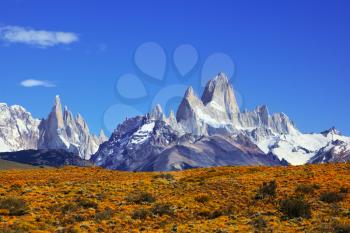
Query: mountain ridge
60	130
205	131
215	114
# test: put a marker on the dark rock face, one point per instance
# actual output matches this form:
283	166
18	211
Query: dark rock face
133	143
210	151
52	158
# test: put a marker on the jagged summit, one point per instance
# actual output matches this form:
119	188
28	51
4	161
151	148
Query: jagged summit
331	131
57	100
189	92
217	108
157	113
207	131
219	94
102	136
62	131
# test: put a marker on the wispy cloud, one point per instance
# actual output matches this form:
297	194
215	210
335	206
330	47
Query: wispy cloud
37	83
39	38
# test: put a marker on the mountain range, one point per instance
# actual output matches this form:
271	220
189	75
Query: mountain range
59	131
205	131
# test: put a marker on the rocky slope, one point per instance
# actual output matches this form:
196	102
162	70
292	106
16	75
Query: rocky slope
18	129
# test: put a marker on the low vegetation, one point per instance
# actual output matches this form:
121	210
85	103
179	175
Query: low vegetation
332	197
267	190
13	206
140	197
295	207
306	188
313	198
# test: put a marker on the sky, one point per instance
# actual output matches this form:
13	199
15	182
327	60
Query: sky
110	60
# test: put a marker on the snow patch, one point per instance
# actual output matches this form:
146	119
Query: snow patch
142	134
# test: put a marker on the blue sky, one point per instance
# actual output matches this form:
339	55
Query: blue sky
290	55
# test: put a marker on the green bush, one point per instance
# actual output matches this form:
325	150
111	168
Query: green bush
86	203
80	218
224	211
344	190
220	231
15	187
161	209
106	214
332	197
259	223
295	207
342	228
69	207
15	206
305	188
140	214
139	198
166	176
202	198
267	190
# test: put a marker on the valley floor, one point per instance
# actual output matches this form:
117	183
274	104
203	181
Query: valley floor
311	198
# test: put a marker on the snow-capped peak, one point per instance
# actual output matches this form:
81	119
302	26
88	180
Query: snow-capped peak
18	129
219	94
63	131
331	131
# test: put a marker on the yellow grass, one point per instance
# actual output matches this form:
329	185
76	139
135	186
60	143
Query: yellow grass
96	200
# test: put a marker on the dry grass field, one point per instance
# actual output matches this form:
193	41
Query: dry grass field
313	198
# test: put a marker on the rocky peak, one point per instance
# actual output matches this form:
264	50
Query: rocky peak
191	97
157	113
63	131
56	115
331	131
172	117
67	115
263	114
281	123
82	123
219	93
188	105
189	92
102	136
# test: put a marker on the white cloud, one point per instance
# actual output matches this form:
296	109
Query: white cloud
37	83
40	38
